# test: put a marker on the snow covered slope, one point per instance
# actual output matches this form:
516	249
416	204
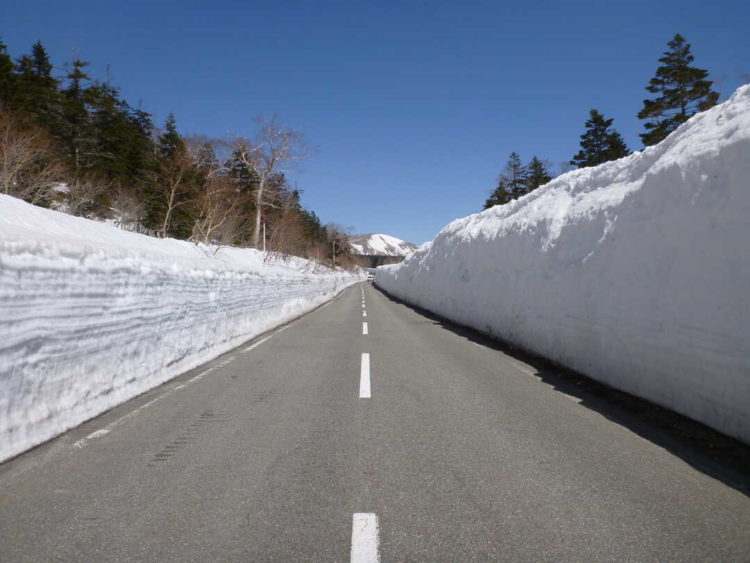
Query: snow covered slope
635	272
91	315
380	245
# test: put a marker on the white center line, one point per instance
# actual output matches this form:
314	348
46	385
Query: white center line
363	304
364	313
364	328
364	377
365	538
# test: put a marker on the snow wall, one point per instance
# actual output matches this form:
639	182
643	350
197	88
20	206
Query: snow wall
91	316
635	273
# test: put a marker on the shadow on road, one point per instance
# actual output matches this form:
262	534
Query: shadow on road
710	452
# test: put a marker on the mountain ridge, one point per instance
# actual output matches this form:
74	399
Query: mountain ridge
378	244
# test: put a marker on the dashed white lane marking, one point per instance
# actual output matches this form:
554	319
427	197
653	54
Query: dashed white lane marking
364	377
364	328
107	429
363	304
364	313
365	538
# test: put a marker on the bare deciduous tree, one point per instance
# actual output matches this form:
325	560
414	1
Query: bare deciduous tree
83	194
274	150
218	217
338	238
128	210
28	167
288	233
173	185
218	203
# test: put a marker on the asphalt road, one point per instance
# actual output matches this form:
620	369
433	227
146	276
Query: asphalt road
460	453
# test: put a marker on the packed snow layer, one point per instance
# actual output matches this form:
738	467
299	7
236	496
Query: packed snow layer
635	272
380	245
91	316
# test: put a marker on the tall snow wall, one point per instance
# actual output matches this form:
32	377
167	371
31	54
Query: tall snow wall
635	273
91	316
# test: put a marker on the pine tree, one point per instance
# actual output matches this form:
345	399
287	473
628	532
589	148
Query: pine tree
176	186
499	196
536	175
170	142
511	184
7	77
515	174
77	138
681	91
600	143
36	93
116	144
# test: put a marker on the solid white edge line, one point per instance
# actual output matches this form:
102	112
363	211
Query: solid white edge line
364	377
254	346
107	429
266	339
365	538
364	328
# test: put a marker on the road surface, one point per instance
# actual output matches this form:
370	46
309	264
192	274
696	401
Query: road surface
330	439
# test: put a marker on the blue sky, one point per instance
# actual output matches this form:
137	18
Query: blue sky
414	106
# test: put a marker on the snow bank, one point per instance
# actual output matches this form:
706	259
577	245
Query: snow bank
635	273
91	316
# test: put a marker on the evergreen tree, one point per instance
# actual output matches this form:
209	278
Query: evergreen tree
36	91
177	184
600	143
170	142
77	138
115	144
515	174
681	91
7	77
511	184
499	196
117	134
536	175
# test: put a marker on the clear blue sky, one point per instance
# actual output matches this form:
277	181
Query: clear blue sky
414	106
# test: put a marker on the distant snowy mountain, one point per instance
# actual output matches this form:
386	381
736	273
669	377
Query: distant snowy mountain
380	245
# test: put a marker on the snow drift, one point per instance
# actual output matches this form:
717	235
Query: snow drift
635	273
91	316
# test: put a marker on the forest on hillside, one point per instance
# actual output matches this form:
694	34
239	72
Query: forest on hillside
72	143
